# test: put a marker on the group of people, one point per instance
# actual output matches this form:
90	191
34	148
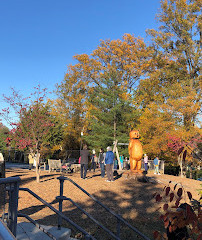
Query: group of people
156	163
122	160
105	160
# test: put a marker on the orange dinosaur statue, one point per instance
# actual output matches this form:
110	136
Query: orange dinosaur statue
135	151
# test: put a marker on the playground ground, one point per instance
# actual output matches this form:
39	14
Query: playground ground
132	199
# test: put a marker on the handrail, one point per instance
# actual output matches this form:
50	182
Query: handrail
13	201
62	178
9	180
5	233
58	213
92	218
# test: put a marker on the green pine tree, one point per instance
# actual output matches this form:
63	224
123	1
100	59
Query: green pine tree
112	114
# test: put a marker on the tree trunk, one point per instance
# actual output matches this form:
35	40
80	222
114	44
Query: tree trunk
180	163
37	167
115	150
191	175
181	169
114	130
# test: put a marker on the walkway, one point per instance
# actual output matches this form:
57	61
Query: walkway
28	231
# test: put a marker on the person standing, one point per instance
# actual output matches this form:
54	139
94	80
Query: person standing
2	166
34	159
93	161
101	160
31	159
84	161
1	157
127	163
96	161
121	160
115	164
156	165
109	161
145	162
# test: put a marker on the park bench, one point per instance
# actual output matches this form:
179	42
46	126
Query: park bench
54	165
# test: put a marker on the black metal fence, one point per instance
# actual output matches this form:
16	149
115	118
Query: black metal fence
15	156
9	188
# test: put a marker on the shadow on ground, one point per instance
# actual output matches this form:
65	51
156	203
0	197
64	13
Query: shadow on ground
133	201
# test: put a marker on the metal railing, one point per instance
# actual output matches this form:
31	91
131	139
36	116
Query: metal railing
5	233
37	225
12	186
87	214
60	214
152	167
118	217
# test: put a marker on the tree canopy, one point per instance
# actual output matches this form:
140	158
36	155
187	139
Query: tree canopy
124	84
3	136
127	84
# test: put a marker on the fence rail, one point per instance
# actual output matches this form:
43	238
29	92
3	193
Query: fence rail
152	167
87	235
119	218
5	233
87	214
12	186
13	189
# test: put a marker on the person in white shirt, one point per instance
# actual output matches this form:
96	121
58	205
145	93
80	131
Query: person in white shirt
145	162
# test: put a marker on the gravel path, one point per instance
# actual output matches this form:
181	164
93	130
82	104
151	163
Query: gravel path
132	199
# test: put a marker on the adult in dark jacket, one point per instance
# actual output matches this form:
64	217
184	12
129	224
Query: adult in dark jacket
101	160
109	161
84	161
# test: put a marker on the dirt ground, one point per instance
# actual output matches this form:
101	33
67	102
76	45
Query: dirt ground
127	197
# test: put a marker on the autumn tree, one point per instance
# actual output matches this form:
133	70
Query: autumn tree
98	89
62	139
3	135
185	151
32	129
173	81
178	45
72	93
155	124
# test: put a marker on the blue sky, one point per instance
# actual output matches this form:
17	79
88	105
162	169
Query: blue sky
40	37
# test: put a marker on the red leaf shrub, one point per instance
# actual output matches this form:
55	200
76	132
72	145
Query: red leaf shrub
180	217
179	192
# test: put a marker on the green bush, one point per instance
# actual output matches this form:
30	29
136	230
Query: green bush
188	174
199	174
172	170
195	174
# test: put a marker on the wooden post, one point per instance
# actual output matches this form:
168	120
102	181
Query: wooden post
117	154
37	156
115	144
